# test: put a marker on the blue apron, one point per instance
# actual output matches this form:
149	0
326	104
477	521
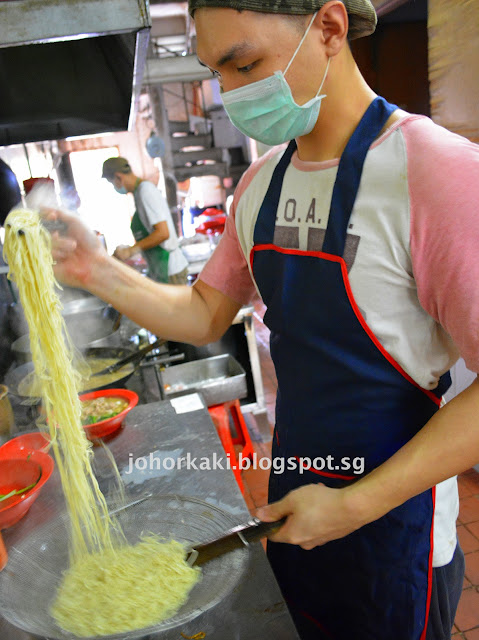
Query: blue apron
341	394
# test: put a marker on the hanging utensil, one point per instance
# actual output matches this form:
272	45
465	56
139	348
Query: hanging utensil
241	536
135	357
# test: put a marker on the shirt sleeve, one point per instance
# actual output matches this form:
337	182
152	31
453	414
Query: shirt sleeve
443	175
154	205
227	269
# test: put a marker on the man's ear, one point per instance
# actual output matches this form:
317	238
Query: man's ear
333	21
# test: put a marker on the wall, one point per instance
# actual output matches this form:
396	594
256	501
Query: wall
453	65
394	62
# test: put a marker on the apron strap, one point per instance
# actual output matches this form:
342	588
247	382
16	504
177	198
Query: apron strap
266	221
445	381
349	174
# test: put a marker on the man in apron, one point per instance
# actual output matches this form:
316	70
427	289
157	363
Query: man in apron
342	396
151	225
361	236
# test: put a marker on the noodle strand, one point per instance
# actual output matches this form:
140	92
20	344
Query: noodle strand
110	586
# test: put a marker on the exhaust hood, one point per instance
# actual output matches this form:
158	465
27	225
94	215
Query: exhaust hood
70	68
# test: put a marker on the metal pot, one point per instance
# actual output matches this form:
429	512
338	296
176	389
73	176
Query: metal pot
83	305
6	413
87	323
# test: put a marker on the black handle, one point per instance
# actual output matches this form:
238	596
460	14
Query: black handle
260	529
240	536
139	355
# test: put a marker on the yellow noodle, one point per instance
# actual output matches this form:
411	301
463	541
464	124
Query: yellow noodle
110	585
153	574
28	254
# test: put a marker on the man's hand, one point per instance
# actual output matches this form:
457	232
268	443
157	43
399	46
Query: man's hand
123	252
316	515
76	252
198	315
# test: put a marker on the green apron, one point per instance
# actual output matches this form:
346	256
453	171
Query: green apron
156	257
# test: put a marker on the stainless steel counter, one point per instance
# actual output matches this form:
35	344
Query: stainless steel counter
255	609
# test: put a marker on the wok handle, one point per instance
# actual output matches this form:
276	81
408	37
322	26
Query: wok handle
117	323
139	355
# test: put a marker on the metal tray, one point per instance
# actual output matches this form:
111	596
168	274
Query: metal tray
218	379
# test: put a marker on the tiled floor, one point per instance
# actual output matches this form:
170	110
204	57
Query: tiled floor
256	481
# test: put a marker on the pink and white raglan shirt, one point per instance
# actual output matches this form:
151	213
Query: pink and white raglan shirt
412	253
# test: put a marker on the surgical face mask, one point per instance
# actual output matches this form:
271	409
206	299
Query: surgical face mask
266	110
121	190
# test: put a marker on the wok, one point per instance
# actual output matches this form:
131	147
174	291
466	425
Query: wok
14	377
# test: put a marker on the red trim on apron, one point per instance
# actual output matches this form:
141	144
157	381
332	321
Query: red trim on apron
326	473
354	306
318	624
430	569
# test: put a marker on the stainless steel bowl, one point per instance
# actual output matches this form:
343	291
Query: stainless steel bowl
83	302
89	325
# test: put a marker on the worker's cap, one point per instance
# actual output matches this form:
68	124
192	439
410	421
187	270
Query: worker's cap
362	15
115	165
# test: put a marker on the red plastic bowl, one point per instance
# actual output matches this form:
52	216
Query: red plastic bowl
17	473
24	444
110	425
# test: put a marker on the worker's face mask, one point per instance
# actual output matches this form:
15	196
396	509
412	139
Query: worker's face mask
266	110
119	189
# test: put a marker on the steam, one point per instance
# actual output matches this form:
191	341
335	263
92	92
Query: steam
88	319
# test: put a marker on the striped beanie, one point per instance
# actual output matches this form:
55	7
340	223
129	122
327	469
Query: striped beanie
362	15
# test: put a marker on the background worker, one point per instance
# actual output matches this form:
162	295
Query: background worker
152	225
362	239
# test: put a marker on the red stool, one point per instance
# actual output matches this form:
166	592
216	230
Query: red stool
220	414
